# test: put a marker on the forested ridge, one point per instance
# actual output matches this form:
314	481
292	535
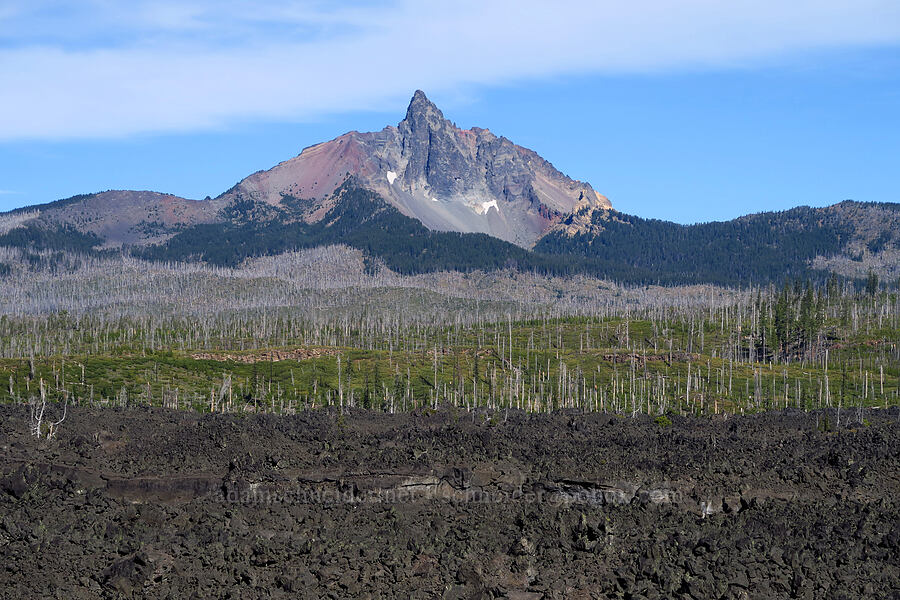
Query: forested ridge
362	220
63	237
761	248
755	249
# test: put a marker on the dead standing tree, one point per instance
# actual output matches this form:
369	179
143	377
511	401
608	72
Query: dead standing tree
38	408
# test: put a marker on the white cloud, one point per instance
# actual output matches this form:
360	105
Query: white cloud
106	68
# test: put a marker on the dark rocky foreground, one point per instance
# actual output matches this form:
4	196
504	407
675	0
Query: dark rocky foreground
162	504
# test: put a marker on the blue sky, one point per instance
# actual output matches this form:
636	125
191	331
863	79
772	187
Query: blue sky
688	111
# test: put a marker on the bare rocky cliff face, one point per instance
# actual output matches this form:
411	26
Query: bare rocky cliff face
451	179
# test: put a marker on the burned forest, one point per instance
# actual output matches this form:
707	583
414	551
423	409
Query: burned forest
422	362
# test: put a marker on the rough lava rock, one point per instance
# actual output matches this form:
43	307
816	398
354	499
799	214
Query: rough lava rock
152	503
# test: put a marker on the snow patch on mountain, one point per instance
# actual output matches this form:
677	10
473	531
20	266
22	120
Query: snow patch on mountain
486	206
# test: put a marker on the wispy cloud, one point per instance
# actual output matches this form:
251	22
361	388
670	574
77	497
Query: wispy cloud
7	192
101	68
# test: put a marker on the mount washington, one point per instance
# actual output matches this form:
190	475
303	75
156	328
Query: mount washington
427	195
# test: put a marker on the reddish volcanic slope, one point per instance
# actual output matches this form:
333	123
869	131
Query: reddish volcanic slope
126	217
449	178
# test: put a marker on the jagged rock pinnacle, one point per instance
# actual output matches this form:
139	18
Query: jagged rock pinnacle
430	148
421	107
451	179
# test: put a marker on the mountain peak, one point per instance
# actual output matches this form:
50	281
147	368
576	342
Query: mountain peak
450	179
421	108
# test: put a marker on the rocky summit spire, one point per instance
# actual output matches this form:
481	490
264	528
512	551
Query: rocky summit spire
422	109
430	148
450	179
